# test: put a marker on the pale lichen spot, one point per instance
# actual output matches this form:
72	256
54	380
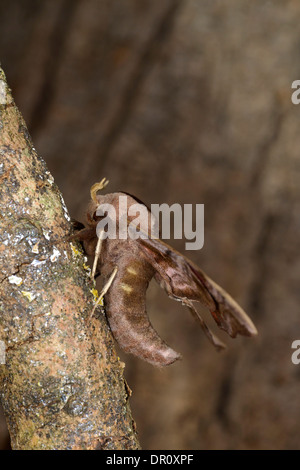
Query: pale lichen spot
35	248
3	93
50	179
55	255
75	251
15	280
46	234
66	213
95	294
37	262
29	295
96	297
87	268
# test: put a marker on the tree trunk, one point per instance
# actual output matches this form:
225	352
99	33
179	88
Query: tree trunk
62	383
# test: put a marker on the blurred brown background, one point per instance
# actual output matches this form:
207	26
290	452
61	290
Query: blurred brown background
184	101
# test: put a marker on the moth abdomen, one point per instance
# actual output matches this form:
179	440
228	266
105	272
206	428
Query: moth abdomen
127	316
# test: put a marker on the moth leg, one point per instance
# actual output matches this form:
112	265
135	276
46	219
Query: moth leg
104	290
76	225
97	254
97	187
219	345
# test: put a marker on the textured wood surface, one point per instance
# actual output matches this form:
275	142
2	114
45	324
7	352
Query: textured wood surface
61	384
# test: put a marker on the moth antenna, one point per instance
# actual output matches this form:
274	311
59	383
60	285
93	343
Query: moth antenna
104	290
97	187
97	254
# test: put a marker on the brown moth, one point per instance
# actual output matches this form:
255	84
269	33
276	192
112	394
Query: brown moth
128	265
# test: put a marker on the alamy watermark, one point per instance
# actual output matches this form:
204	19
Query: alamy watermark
295	358
2	352
296	94
135	221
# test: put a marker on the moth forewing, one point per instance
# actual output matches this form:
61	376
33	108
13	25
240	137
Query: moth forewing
189	281
229	311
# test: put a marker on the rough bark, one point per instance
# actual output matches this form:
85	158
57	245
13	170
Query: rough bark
62	383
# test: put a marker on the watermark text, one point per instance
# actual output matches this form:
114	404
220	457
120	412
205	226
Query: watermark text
137	221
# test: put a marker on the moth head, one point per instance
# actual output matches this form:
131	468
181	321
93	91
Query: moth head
125	207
